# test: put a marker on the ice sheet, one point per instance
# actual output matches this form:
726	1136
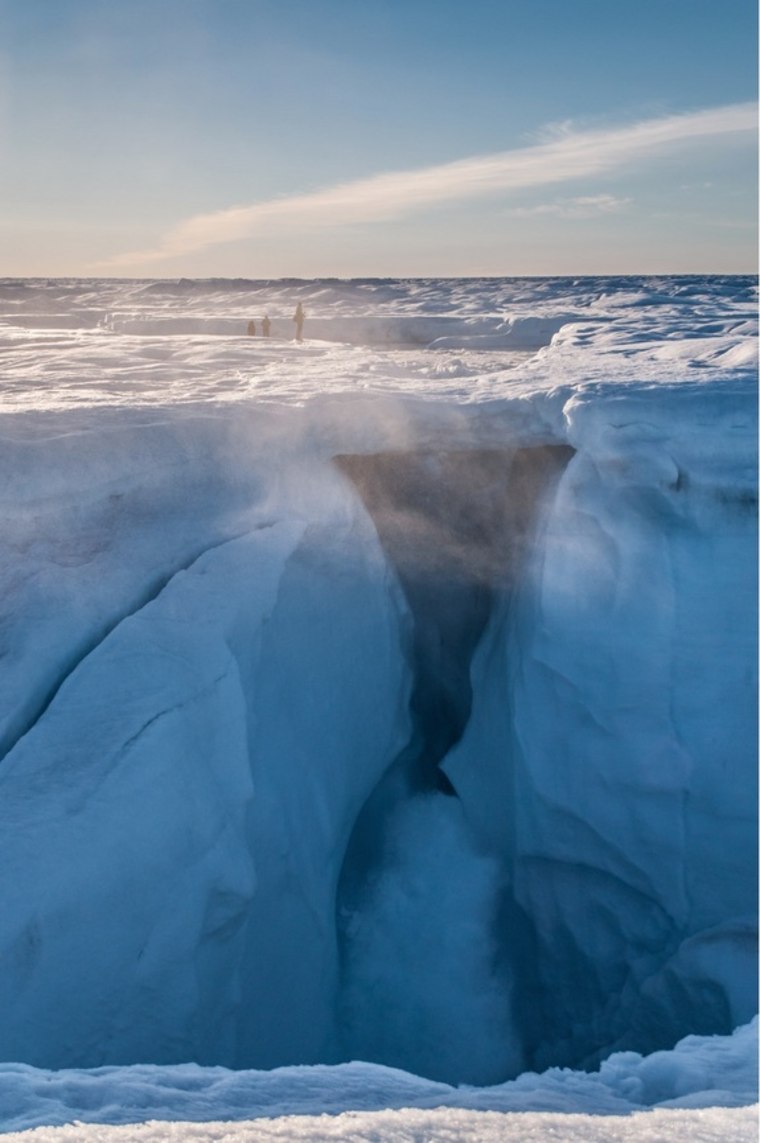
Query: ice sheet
206	670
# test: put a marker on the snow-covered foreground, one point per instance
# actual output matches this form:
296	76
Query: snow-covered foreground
351	1101
389	696
441	1125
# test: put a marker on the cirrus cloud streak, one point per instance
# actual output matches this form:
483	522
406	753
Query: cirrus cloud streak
587	206
572	154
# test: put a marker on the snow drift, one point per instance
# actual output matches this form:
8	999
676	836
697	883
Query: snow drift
714	1072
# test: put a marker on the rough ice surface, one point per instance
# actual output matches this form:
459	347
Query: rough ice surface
439	1125
702	1086
388	696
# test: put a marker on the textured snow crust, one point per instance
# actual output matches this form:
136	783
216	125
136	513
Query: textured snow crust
701	1072
441	1125
211	668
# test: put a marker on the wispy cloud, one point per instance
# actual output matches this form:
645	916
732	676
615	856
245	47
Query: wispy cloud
567	155
586	206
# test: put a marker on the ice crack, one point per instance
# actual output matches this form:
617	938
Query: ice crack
29	719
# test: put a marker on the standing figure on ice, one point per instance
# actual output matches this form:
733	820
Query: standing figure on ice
251	328
266	325
298	319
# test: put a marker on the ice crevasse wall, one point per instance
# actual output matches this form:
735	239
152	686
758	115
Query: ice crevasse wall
305	761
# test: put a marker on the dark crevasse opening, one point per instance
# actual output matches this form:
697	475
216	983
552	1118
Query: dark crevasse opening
454	526
430	939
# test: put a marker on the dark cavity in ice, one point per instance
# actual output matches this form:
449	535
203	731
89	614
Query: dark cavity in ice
456	527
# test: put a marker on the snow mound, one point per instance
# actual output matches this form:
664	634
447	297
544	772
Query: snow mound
699	1072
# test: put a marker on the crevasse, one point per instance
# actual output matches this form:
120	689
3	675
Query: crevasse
440	758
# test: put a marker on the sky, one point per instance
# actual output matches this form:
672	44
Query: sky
365	138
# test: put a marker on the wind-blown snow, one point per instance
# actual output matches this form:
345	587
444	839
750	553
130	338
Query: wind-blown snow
233	831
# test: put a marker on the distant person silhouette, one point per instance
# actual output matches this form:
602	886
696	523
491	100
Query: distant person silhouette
266	325
298	319
251	328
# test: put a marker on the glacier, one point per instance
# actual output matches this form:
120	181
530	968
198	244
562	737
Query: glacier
389	696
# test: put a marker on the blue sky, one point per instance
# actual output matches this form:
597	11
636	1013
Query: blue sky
268	138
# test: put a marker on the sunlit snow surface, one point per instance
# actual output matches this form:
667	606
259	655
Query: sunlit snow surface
83	343
179	553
